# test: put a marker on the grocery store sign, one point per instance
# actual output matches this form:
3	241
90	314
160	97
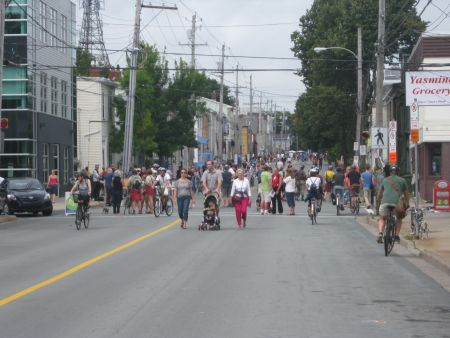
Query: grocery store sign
429	88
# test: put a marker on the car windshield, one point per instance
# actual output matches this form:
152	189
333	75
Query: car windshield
31	184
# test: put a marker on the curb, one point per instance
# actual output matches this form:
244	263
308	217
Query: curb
427	255
7	218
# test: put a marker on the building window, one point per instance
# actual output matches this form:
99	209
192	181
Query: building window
43	21
54	95
53	27
43	82
435	159
44	163
66	165
55	157
64	99
64	34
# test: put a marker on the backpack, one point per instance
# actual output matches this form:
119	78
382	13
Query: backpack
137	184
314	186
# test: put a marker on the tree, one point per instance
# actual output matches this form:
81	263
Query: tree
333	72
83	62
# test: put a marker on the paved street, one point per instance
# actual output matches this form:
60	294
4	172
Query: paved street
280	277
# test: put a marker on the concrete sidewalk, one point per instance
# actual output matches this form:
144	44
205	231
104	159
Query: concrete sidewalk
435	249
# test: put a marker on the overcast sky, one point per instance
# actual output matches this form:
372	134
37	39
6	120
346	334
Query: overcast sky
273	22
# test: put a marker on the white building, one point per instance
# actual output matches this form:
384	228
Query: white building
95	117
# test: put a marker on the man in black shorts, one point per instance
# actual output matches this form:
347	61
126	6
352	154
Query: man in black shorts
354	181
226	185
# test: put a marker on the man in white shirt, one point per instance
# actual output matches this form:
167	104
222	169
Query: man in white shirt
313	184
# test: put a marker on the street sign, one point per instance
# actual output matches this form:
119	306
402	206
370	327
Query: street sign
355	146
362	150
379	138
414	121
4	123
414	135
393	142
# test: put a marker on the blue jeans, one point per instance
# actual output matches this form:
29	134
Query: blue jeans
290	198
183	207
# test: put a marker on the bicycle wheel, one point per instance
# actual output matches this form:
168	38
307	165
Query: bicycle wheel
313	212
86	220
357	207
338	206
78	217
169	207
389	235
157	207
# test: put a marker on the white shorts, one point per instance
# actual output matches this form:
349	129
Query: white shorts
265	196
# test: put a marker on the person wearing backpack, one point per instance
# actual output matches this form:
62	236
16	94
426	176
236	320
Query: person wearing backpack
135	188
313	184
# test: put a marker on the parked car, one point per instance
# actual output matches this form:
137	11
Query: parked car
19	195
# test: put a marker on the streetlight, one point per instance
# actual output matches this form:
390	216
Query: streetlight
358	57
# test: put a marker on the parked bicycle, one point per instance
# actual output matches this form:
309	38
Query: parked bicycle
419	228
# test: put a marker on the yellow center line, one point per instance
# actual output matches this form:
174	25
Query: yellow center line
83	265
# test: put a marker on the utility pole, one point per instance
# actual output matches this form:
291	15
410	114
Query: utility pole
237	90
380	62
2	49
222	70
129	115
251	94
192	38
360	94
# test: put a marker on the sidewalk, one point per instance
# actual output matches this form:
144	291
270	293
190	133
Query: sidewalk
435	249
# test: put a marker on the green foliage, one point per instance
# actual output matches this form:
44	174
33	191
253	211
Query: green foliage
165	106
333	73
83	62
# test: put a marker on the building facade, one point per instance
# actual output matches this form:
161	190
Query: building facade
428	82
95	117
38	90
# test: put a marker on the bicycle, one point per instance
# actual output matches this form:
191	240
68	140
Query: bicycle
82	215
389	231
338	204
313	211
126	203
419	228
161	206
354	202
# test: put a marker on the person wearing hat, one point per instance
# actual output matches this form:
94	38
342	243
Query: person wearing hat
392	190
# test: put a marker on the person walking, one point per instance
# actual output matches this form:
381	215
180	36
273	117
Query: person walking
289	180
116	191
226	185
184	195
95	183
149	190
266	189
52	185
368	181
277	181
300	182
241	193
108	185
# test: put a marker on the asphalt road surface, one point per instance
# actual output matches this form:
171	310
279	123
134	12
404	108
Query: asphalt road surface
280	277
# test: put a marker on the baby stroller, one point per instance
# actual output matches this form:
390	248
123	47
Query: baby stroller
211	220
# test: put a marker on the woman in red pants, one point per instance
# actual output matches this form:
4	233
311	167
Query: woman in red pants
240	192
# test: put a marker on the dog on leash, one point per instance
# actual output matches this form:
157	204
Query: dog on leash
105	210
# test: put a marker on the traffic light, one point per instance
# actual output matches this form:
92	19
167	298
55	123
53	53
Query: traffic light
4	123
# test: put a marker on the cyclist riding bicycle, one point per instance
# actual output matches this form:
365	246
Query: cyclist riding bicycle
83	187
392	190
338	186
354	183
313	184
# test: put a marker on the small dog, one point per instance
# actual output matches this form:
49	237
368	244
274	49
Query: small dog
105	210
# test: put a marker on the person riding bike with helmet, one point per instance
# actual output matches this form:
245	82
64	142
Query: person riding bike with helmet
313	187
392	190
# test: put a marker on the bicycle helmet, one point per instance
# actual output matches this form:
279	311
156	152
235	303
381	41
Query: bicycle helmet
393	168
